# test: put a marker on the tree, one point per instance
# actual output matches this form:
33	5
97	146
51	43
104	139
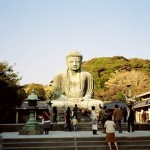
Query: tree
39	90
10	97
101	69
129	83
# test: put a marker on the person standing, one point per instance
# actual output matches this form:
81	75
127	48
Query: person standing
68	121
99	116
130	119
54	114
110	132
51	110
46	121
104	115
144	116
125	114
117	114
100	113
94	121
75	111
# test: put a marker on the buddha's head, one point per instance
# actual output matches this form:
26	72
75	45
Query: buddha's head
74	60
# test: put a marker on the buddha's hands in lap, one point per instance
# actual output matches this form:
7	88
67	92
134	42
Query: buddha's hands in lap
86	98
62	97
75	99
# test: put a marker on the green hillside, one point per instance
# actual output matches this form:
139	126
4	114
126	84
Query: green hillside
101	68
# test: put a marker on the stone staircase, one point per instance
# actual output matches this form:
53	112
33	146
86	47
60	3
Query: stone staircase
59	127
90	143
75	143
82	127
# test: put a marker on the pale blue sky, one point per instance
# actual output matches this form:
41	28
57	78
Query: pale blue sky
36	35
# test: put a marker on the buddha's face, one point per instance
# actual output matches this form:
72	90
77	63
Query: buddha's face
74	63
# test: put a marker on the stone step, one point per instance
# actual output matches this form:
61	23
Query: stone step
123	147
124	143
59	127
81	127
71	143
52	139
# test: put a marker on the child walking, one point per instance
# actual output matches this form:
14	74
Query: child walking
74	122
110	132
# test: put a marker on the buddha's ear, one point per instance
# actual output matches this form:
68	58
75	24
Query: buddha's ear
66	59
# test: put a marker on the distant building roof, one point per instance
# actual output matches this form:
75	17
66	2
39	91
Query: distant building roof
111	105
144	95
142	103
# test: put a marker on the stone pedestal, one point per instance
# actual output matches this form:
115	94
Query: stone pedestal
31	130
32	127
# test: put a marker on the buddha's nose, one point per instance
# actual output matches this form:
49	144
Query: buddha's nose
74	62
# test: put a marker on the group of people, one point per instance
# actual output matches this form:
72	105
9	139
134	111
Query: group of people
111	119
71	117
108	120
51	116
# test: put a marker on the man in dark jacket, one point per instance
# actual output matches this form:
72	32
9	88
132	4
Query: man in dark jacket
130	118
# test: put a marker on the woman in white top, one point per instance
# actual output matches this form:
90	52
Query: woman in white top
110	132
94	120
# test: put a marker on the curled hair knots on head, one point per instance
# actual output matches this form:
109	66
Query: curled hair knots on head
74	53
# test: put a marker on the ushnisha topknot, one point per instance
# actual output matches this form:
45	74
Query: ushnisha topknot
74	53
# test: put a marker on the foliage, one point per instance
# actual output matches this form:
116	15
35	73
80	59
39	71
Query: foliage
129	83
48	91
102	69
39	90
120	96
10	92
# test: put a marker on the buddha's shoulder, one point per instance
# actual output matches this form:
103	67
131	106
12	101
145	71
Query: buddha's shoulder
86	73
64	73
60	73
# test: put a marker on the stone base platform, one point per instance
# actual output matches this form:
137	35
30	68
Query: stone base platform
79	140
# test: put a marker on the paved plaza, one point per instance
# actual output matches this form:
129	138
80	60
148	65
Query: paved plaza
72	134
129	144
